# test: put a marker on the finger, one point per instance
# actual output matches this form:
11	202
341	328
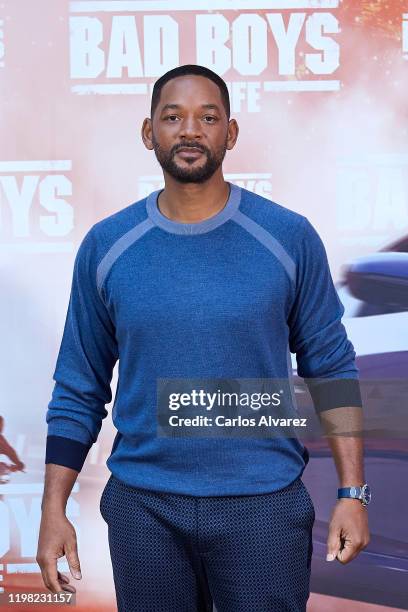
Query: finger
64	581
68	588
62	577
50	576
349	551
71	554
333	543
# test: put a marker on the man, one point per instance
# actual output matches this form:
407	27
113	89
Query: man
199	280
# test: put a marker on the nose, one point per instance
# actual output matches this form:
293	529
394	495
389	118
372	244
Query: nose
190	128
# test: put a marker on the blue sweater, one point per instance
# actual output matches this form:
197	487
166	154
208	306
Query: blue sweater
227	297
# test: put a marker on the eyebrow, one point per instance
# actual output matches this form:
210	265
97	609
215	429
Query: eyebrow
177	106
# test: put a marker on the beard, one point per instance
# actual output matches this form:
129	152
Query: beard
198	174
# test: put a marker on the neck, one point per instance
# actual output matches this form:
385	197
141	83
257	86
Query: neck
193	202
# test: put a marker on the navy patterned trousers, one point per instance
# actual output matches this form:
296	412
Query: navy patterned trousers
181	553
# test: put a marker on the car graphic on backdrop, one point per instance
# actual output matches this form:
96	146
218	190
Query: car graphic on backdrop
374	292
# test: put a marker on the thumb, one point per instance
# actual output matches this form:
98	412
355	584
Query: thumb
333	543
71	555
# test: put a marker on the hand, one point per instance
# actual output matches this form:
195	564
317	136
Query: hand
348	530
57	538
19	466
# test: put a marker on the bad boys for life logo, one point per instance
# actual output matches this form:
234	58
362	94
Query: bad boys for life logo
35	215
258	182
121	47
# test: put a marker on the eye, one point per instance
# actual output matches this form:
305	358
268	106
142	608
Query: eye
210	119
170	118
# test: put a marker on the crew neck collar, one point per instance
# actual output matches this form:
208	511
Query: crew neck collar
200	227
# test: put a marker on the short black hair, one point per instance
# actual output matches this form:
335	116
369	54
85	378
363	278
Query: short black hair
188	69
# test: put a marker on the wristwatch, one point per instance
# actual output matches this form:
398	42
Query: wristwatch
362	493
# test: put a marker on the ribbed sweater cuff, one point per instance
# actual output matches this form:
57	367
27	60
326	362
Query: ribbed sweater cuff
336	393
67	452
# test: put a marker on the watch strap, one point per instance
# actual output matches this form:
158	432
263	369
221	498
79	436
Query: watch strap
362	493
353	492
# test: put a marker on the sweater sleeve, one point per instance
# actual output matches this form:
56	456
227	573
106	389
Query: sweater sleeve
84	368
325	356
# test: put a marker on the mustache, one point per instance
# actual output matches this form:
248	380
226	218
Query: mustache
193	145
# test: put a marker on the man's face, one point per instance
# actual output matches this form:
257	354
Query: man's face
190	129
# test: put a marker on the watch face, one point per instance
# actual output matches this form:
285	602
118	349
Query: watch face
366	494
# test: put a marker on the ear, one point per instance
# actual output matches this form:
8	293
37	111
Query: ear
147	133
233	131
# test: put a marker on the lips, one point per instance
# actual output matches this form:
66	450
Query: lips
189	152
